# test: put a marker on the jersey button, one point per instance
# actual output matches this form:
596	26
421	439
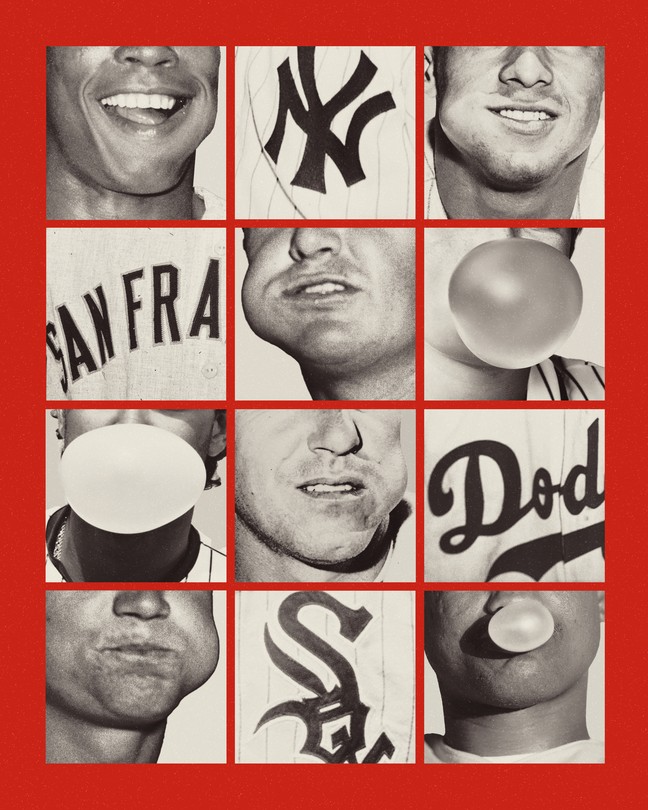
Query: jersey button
209	371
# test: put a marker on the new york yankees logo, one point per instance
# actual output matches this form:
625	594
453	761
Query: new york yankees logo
339	707
316	120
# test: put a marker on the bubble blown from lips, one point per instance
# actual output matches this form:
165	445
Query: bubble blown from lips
521	626
131	478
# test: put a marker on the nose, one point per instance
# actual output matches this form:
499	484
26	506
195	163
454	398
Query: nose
147	55
527	67
334	432
499	599
144	605
314	244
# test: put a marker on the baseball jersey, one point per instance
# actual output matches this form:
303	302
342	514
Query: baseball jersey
325	677
211	206
514	496
580	751
590	200
325	132
205	563
559	378
136	313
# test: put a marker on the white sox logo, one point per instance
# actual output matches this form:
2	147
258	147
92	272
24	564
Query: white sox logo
537	556
341	705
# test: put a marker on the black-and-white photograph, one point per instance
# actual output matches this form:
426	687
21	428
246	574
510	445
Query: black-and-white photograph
135	132
325	677
126	495
514	314
135	676
325	313
514	496
325	132
514	677
514	132
136	313
325	495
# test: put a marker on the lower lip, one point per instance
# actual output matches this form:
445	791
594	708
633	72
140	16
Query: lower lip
535	127
165	127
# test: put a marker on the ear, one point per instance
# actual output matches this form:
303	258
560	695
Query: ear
60	418
218	441
427	52
601	605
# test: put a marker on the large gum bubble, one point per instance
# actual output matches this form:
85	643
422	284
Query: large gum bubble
521	626
131	478
515	301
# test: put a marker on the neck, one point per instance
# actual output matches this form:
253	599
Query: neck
260	561
71	197
72	740
468	194
498	732
446	378
388	379
94	555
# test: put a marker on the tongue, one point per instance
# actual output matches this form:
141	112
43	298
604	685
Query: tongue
149	116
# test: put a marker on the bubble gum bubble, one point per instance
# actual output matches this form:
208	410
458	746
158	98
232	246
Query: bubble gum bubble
515	301
521	626
131	478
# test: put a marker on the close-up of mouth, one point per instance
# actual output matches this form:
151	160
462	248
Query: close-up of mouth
531	118
320	288
144	109
331	489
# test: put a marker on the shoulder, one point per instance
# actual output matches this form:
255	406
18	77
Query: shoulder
210	565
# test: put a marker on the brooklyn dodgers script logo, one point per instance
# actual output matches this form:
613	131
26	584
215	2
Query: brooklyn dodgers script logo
336	715
578	490
315	121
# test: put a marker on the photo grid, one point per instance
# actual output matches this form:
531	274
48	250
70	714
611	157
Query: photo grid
325	471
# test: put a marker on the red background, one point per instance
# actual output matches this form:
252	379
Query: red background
28	782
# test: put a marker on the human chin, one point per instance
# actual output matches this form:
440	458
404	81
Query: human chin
323	546
136	159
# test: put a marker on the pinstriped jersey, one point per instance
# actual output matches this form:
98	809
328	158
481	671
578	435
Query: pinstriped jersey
559	378
325	132
514	496
206	564
325	677
136	313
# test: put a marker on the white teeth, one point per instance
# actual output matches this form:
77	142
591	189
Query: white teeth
325	288
525	115
329	488
140	101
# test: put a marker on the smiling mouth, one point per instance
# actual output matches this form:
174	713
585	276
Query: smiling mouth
321	489
148	109
525	115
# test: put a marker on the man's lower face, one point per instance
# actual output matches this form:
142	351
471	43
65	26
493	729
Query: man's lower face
321	522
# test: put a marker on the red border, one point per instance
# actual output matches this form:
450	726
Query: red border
28	782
